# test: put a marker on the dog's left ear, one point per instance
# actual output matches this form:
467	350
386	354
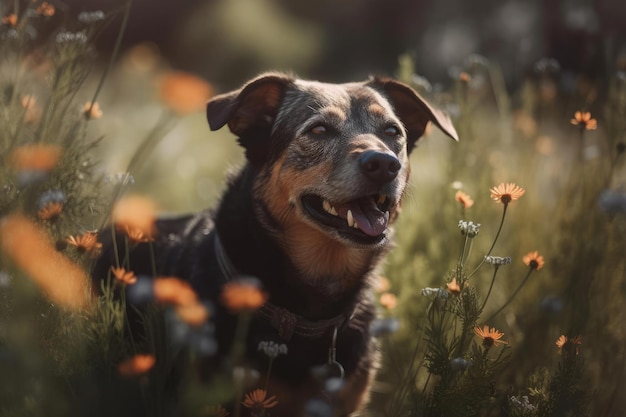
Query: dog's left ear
250	111
413	110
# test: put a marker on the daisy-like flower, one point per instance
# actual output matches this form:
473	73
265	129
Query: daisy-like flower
584	120
533	260
136	366
464	199
215	411
505	193
568	345
85	243
123	276
184	92
45	9
243	295
257	400
171	290
194	314
135	216
39	157
134	234
388	300
491	337
453	287
10	19
91	110
50	211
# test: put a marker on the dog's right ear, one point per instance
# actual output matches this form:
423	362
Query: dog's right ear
254	106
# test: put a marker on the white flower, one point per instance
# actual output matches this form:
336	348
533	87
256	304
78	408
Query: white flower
435	293
498	260
272	349
469	228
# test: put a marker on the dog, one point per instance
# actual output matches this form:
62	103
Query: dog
309	215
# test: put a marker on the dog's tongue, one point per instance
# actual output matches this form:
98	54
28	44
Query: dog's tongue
368	217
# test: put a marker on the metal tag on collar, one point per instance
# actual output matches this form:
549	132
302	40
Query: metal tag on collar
334	368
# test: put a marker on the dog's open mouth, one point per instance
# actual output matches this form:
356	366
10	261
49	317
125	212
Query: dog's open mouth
363	220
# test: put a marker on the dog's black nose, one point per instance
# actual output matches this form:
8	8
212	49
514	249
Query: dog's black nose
379	167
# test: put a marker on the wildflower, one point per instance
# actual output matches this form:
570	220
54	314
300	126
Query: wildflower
547	66
10	20
568	345
215	411
92	110
71	37
461	364
39	157
136	366
134	214
134	234
388	300
464	199
45	9
384	326
498	260
184	92
123	276
469	228
87	242
382	284
193	314
584	120
90	17
505	193
29	247
453	287
50	211
243	295
272	349
256	400
533	260
464	77
435	293
33	111
523	404
490	337
171	290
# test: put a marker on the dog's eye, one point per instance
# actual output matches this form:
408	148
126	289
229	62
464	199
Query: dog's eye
392	130
318	129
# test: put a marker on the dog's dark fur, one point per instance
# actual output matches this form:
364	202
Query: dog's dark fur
305	142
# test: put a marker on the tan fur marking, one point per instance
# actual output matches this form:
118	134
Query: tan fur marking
316	255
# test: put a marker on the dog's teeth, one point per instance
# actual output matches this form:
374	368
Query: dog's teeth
356	226
333	211
326	206
349	218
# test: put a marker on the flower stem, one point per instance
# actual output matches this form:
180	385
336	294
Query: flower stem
530	270
493	279
493	244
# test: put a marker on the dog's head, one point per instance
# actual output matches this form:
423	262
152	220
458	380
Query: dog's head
331	159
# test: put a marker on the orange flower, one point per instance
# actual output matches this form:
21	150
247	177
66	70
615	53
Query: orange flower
568	345
45	9
91	111
184	92
136	366
51	211
505	193
464	77
10	19
256	400
242	295
464	199
87	242
388	300
490	337
453	287
38	157
124	276
29	247
382	284
33	110
135	216
533	260
193	314
171	290
584	120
